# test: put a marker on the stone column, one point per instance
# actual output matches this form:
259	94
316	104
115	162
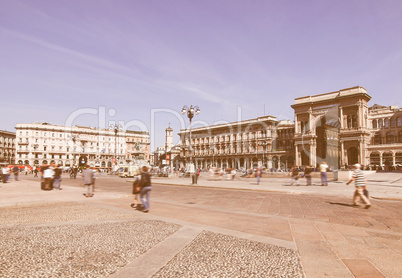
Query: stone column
361	152
312	158
269	162
381	158
341	116
310	120
297	158
343	161
393	158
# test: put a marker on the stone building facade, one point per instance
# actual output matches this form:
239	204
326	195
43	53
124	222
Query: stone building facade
341	129
337	127
37	143
7	147
260	142
386	135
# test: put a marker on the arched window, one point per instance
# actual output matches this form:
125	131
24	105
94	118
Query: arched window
375	159
399	121
386	123
380	123
393	122
374	123
390	138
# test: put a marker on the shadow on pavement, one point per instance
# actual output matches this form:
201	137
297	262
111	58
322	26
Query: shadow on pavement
341	204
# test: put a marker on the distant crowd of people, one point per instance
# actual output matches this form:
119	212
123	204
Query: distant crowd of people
51	178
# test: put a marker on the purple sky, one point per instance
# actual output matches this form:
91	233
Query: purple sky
57	57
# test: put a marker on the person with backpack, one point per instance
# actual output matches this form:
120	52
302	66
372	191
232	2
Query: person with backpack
145	185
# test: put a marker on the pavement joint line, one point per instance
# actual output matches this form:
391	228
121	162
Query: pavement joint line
149	263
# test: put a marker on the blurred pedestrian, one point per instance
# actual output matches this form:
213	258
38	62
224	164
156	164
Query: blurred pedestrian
221	172
361	185
6	173
294	175
233	173
145	188
42	178
48	176
258	175
16	172
323	171
136	192
307	174
57	178
88	180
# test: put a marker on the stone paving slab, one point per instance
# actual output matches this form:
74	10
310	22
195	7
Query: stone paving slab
217	255
374	235
384	190
79	249
157	257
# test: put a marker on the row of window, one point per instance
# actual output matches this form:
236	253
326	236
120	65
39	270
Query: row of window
92	137
387	123
390	138
67	163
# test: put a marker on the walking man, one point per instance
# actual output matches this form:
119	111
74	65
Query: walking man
360	184
323	170
88	180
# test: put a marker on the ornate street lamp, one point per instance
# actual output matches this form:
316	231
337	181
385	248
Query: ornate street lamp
74	138
213	148
191	111
263	144
116	128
